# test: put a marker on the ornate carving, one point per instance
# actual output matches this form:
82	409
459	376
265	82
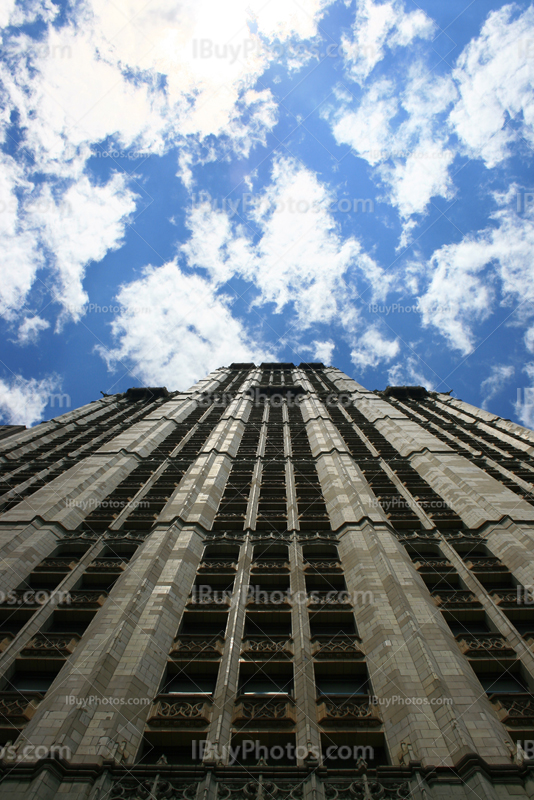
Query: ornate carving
55	565
488	564
317	536
197	645
265	710
434	564
322	566
51	644
270	566
340	598
258	789
507	598
357	709
483	644
365	789
458	598
85	598
168	711
466	536
157	788
18	708
217	566
336	646
515	709
267	645
106	565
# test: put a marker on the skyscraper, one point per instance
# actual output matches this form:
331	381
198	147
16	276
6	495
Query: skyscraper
276	584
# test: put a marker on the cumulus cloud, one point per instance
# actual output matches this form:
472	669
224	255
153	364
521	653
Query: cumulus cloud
323	351
496	381
23	401
139	79
464	277
300	259
380	25
175	328
408	372
21	258
29	329
83	226
495	78
373	349
299	265
412	156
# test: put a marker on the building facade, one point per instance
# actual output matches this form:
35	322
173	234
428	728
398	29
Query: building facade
276	584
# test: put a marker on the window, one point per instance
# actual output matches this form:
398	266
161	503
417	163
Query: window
342	685
267	684
185	684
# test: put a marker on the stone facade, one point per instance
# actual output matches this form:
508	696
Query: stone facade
274	584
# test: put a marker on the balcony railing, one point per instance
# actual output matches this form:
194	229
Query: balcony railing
485	564
56	565
266	565
455	599
326	646
170	711
480	645
279	710
17	708
50	645
217	566
322	566
356	711
257	646
514	710
197	645
328	598
437	565
216	598
508	598
107	565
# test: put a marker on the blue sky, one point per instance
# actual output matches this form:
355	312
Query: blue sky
187	185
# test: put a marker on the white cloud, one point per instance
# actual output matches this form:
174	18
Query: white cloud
300	257
381	25
83	226
496	381
524	407
174	329
20	256
23	401
323	351
140	78
412	157
408	372
30	328
495	77
464	276
372	349
529	340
